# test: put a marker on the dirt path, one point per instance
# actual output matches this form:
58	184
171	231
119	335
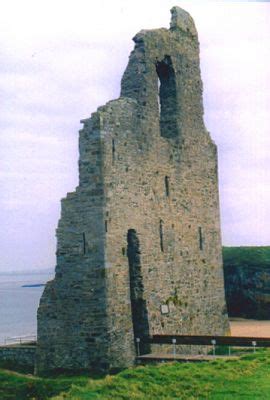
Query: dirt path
249	327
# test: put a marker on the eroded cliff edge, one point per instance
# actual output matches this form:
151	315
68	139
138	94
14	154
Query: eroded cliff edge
247	281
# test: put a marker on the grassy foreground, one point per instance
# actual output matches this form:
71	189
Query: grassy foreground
246	378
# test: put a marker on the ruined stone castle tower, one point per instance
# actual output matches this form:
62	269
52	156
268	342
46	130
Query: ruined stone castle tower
139	248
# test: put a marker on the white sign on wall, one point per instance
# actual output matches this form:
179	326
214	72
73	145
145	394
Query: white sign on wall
164	309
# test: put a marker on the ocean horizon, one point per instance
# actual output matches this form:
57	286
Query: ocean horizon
19	303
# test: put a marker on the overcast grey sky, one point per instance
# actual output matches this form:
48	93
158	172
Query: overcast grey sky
60	60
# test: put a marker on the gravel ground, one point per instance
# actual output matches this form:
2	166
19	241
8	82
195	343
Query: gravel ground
249	327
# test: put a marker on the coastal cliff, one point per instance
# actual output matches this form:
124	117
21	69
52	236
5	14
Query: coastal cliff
247	281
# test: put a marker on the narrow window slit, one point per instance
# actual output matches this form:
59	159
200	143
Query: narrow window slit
113	150
200	238
161	235
106	226
84	243
167	186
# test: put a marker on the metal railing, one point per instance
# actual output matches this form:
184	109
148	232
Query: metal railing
204	340
31	338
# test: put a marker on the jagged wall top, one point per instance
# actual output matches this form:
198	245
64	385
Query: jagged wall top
175	50
181	20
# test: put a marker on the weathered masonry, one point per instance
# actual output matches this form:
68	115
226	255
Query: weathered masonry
139	249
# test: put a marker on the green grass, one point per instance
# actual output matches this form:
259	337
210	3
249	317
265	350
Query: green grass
247	379
16	386
222	350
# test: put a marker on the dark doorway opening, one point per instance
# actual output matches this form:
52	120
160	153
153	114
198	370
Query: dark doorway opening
167	98
138	303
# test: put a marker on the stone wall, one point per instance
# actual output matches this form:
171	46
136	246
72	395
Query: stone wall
18	355
139	249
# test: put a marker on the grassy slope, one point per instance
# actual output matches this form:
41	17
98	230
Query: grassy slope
16	386
256	256
247	378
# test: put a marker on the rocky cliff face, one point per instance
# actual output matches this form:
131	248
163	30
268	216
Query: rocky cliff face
247	281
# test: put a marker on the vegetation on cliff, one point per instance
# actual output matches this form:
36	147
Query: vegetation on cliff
247	377
247	281
246	257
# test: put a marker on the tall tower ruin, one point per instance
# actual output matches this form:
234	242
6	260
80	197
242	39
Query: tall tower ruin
138	242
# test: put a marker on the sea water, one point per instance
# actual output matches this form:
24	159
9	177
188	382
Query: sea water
18	304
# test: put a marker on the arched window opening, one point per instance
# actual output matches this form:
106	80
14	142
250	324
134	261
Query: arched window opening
167	100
